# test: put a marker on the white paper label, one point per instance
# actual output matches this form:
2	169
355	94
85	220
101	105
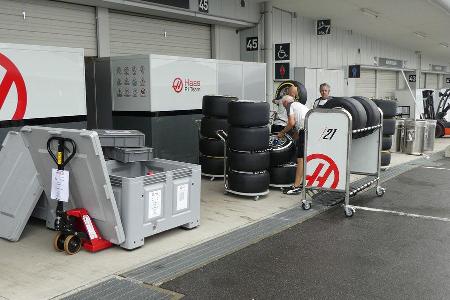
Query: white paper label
60	185
89	227
182	196
154	204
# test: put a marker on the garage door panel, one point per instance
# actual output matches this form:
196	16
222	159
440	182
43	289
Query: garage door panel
132	34
365	85
48	23
431	81
387	81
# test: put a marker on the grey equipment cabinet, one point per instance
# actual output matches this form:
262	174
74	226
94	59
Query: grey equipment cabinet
155	196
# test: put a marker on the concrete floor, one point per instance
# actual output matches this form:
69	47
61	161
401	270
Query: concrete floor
31	269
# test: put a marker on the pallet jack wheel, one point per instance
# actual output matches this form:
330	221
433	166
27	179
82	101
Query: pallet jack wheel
306	205
380	191
58	242
72	244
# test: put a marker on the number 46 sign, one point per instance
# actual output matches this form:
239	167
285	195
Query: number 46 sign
327	148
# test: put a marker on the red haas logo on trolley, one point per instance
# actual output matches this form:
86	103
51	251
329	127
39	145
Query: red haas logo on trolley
187	85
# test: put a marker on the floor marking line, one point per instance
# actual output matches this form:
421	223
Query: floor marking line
400	213
437	168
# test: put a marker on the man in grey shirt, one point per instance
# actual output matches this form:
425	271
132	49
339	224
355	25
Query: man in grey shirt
324	95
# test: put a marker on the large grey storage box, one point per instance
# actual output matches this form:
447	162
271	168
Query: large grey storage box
121	138
155	196
127	155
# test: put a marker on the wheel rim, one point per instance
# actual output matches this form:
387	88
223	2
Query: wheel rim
72	244
58	242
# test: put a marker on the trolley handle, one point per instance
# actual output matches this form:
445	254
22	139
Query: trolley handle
61	143
222	135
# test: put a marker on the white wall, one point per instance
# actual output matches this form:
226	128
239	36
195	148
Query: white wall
225	43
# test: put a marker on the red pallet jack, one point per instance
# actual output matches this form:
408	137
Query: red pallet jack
75	227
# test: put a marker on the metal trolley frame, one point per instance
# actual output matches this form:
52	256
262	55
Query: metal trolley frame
223	136
368	141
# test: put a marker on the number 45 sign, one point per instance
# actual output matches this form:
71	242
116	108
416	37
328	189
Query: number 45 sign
203	6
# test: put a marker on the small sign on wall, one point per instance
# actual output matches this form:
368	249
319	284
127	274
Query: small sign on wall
203	6
251	43
323	27
281	71
447	80
282	51
354	71
412	78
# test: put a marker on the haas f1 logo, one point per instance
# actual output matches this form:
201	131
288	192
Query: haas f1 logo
188	85
13	77
325	170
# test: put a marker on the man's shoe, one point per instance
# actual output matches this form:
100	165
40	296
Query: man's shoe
294	190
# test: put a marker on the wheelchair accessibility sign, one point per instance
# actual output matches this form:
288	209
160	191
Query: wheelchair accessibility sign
282	51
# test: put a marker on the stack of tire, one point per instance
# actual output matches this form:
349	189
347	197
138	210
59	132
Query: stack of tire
282	161
215	111
248	147
363	111
389	109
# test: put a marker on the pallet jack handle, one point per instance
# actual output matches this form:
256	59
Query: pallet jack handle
59	159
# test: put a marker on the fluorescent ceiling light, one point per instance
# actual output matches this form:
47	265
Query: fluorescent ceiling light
442	4
420	34
444	45
370	13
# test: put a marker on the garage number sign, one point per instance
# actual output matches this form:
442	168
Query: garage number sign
354	71
412	78
323	27
203	6
447	80
282	51
251	43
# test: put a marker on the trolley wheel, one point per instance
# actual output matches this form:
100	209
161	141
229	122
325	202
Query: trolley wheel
58	242
72	244
380	191
306	205
349	211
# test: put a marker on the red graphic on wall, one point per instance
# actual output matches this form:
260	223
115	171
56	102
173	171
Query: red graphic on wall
13	76
177	85
332	169
282	71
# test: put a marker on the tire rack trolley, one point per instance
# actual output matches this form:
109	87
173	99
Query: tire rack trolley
75	227
331	155
223	136
211	176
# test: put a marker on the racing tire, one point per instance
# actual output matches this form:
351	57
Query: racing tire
249	161
385	158
373	115
248	139
388	107
248	113
216	106
248	182
386	143
285	85
282	153
210	126
283	175
388	126
356	110
212	165
211	147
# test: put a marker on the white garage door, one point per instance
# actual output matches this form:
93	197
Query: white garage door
131	34
366	84
431	81
387	83
50	23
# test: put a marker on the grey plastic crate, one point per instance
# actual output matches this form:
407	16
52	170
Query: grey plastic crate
155	196
121	138
127	155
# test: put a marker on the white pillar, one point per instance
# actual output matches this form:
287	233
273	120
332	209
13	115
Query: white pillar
103	41
268	48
